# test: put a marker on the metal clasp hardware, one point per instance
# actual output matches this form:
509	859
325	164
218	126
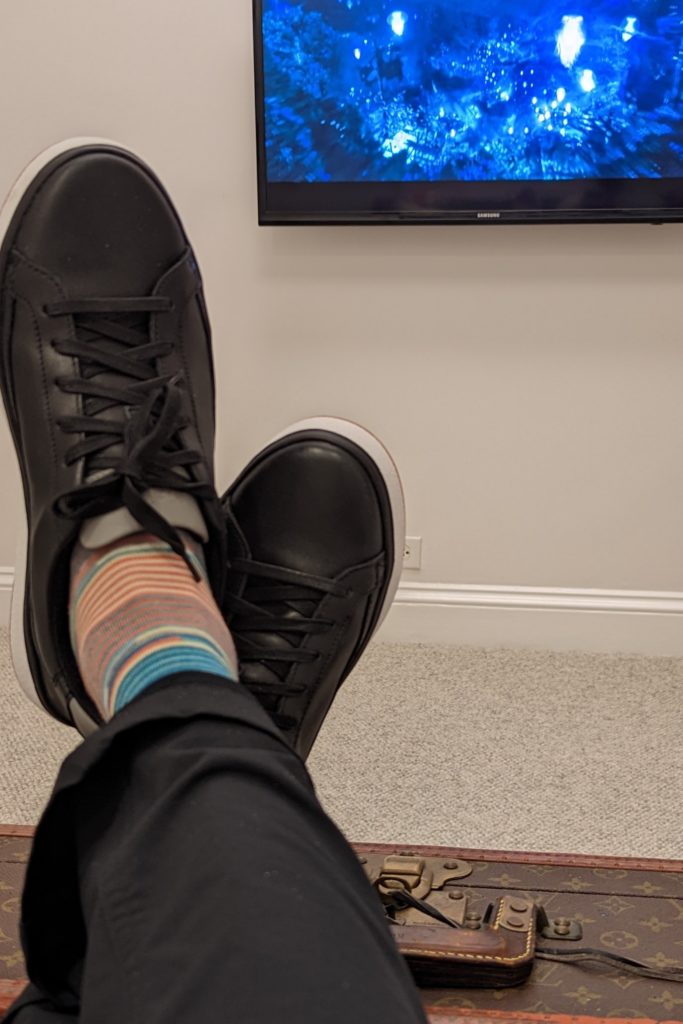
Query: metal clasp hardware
562	929
516	914
414	875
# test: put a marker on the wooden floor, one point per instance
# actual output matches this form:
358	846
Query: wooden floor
631	906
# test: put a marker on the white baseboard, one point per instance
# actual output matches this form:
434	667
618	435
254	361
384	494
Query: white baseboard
6	581
555	619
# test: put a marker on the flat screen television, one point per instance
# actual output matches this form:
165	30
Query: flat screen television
469	111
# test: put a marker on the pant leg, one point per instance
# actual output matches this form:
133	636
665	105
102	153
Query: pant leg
34	1007
184	869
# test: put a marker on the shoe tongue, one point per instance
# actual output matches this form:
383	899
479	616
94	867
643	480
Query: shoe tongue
178	509
276	641
255	672
114	412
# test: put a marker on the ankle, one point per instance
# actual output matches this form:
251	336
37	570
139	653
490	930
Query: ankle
137	615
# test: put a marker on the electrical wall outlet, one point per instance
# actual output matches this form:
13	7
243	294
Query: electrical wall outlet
412	553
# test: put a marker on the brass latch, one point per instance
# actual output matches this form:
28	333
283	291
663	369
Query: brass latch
416	876
403	879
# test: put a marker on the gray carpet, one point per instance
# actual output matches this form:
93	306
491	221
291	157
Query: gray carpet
462	746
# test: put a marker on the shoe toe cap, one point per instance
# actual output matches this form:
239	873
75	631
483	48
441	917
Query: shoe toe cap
313	506
100	221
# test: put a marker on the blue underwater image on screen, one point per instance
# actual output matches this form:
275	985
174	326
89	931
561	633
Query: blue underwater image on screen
427	90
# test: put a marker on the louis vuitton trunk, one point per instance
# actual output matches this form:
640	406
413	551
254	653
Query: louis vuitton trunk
504	907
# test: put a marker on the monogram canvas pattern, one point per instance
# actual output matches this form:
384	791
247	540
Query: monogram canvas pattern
631	910
629	907
14	853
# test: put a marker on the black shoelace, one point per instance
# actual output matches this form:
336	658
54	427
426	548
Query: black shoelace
270	624
124	454
624	964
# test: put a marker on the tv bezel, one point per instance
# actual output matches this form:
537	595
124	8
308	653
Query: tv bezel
615	200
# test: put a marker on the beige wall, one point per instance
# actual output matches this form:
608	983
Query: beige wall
528	380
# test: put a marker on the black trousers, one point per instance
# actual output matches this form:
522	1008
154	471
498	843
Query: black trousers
185	871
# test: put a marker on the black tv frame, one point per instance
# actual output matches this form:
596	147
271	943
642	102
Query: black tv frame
585	200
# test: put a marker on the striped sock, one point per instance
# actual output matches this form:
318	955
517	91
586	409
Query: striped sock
137	615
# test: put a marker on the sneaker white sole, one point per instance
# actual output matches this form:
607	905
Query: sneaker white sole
17	638
387	467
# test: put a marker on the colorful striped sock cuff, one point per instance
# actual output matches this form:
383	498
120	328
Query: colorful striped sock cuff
137	615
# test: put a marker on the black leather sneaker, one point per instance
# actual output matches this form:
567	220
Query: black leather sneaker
107	379
316	531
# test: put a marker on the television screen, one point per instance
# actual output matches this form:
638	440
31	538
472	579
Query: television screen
469	110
